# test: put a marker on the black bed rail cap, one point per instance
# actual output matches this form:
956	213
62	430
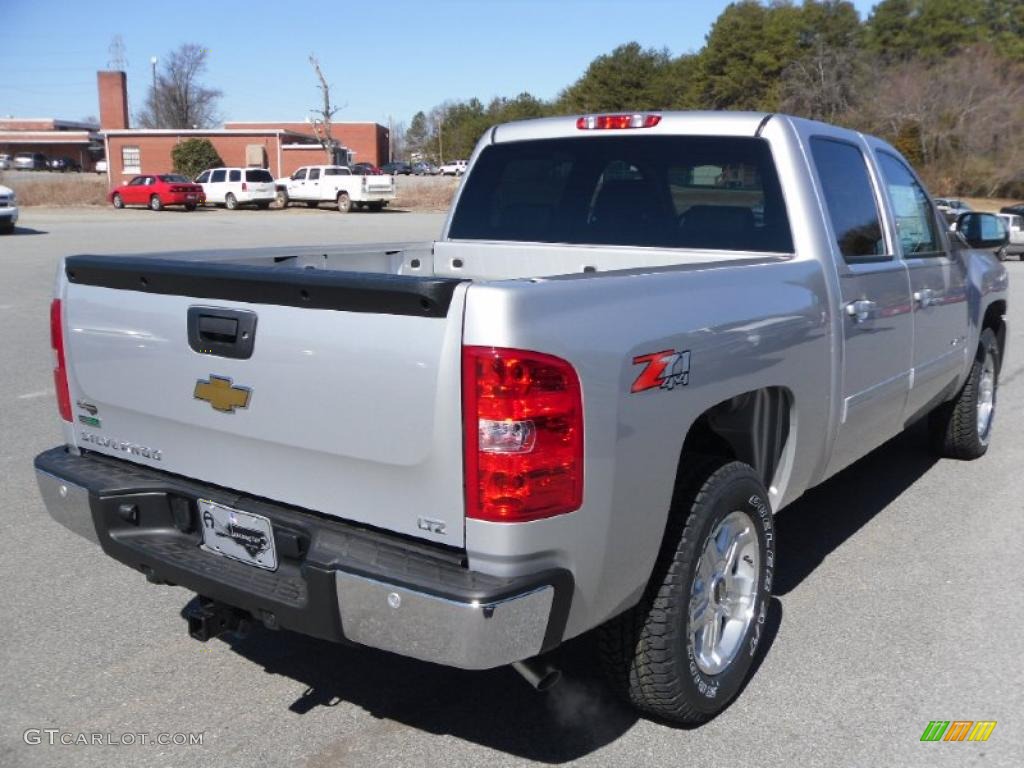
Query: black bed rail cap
309	288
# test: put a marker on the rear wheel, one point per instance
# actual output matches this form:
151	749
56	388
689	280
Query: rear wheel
962	428
231	202
344	202
684	651
155	204
190	206
117	201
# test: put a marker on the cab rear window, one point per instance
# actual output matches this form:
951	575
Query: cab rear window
656	191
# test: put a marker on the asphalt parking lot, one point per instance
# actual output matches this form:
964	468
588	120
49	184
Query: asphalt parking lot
899	599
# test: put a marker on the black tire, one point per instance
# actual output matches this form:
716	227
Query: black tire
1001	254
117	201
344	202
648	652
954	426
155	204
190	206
7	228
282	198
230	202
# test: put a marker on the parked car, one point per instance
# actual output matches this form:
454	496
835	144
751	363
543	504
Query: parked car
235	187
8	210
578	409
1017	209
64	164
396	169
366	169
453	168
5	162
1014	223
951	208
425	169
315	184
157	192
100	166
30	161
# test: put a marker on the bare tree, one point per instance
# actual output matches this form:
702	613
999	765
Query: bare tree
824	84
177	99
323	117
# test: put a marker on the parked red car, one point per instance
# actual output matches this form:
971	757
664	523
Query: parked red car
158	191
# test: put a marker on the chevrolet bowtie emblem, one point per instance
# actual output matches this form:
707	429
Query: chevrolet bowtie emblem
221	394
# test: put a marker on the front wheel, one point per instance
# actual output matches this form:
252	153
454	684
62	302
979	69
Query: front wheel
962	428
155	204
282	198
684	651
190	206
344	202
1001	254
118	202
231	202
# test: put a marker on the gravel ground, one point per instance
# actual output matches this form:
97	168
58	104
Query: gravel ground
898	601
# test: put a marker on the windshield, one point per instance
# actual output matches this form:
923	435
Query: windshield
658	191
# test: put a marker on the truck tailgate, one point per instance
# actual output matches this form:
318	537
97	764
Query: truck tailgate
348	402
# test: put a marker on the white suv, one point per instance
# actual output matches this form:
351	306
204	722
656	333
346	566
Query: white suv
234	187
453	168
8	210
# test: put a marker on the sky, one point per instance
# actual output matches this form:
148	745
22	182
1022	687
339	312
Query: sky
382	59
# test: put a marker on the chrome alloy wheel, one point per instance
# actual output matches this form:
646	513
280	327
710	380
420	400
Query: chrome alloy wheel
986	397
724	592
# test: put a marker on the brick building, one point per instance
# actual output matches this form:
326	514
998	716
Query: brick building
279	147
53	138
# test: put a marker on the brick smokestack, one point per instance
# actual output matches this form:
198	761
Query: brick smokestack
113	87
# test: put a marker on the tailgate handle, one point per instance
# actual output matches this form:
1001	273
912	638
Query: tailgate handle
222	332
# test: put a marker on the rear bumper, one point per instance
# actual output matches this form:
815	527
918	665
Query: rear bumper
334	580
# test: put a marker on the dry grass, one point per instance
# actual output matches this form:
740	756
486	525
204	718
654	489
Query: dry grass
59	191
991	204
425	197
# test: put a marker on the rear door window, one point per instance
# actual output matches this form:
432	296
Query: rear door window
850	199
657	191
314	174
234	175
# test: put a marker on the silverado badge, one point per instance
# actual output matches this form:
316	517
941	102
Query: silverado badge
219	392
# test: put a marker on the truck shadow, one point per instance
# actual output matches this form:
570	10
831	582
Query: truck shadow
498	710
823	518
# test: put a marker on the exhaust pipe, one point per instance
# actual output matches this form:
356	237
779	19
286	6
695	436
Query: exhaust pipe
538	673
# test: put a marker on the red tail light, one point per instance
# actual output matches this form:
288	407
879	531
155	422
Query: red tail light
60	371
523	433
614	122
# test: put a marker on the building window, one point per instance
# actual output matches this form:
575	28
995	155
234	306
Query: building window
131	160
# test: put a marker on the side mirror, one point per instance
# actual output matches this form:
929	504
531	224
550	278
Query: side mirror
984	231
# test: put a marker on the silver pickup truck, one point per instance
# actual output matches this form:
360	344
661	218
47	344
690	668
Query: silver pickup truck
637	337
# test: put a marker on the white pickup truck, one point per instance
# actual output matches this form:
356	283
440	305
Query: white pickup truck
315	184
637	337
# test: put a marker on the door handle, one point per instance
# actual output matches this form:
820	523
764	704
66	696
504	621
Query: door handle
924	298
861	310
221	332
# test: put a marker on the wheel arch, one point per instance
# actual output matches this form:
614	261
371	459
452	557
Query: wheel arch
995	318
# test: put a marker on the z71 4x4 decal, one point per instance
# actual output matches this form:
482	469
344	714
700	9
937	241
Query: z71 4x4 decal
667	369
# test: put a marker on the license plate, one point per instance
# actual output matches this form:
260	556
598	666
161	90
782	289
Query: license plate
239	535
190	197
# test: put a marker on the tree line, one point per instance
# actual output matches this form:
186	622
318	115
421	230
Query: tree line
942	80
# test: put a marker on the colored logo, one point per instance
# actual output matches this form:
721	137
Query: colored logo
958	730
219	392
667	369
